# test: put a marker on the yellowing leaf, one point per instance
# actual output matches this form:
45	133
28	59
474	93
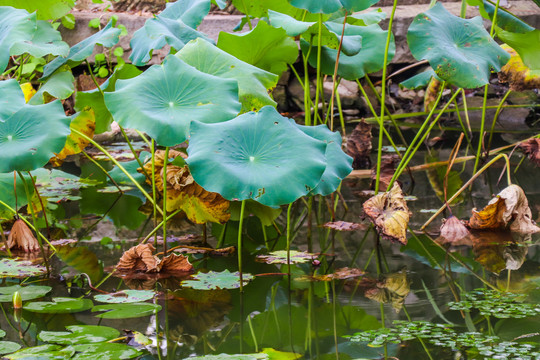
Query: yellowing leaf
517	74
393	288
508	210
389	213
85	122
432	92
28	91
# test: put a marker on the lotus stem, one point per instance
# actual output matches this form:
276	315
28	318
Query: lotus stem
41	203
94	77
135	155
154	196
334	77
481	133
103	170
289	208
240	225
307	86
165	161
319	49
497	113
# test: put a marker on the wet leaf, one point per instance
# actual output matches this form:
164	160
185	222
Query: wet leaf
280	257
79	334
508	210
140	258
359	145
517	74
217	280
19	269
59	305
531	148
392	288
126	296
453	230
344	226
84	122
389	213
43	352
126	311
22	238
7	347
29	292
83	260
104	351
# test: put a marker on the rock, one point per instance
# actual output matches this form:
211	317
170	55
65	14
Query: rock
349	93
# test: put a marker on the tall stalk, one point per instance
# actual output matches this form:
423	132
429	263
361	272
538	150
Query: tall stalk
165	161
240	225
317	88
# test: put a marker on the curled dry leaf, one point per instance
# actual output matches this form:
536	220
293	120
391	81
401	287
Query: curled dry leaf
508	210
388	167
389	213
517	74
344	226
342	274
22	238
359	145
453	230
140	258
392	288
531	148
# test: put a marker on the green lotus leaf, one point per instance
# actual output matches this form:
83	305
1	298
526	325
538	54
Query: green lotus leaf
46	40
419	80
339	164
259	8
79	334
59	86
281	256
7	347
19	269
526	44
370	58
94	98
126	311
317	6
364	19
43	352
7	195
505	20
45	9
175	26
126	296
2	333
163	100
309	30
459	50
30	292
260	156
108	37
59	305
265	47
217	280
29	135
253	83
104	351
357	5
15	26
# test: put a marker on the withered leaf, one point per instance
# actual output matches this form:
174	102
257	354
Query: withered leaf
174	263
141	258
359	145
517	74
388	167
432	92
453	230
392	288
85	122
344	226
497	250
508	210
389	213
531	148
22	238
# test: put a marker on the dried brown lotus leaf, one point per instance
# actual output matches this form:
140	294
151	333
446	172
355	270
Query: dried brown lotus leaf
359	145
508	210
174	263
388	168
393	288
453	230
389	213
517	74
22	238
139	258
531	148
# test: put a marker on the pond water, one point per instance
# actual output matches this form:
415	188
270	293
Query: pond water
307	314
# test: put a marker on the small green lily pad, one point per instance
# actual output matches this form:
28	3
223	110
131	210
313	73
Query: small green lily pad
217	280
126	296
43	352
7	347
280	257
126	311
30	292
60	305
16	268
79	334
104	351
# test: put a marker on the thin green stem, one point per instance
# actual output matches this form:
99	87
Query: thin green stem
307	86
499	109
154	191
103	170
240	225
165	161
481	133
289	208
334	77
319	49
135	155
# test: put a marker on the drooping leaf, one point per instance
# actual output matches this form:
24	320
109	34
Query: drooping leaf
126	311
22	238
525	44
459	50
104	351
60	305
17	26
126	296
253	83
389	213
108	37
531	148
29	135
46	40
259	156
140	258
163	100
175	26
45	9
217	280
316	6
83	260
84	122
79	334
280	257
58	86
505	19
517	74
419	80
19	269
265	47
29	292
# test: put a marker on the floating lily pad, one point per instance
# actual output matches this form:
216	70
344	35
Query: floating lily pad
126	296
126	311
30	292
163	100
43	352
259	156
280	257
104	351
7	347
217	280
60	305
459	50
79	334
56	185
15	268
17	26
46	40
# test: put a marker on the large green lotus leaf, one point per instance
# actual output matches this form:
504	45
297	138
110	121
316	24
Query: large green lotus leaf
79	334
46	40
175	26
165	98
30	292
259	8
15	26
7	195
419	80
505	20
126	311
104	351
338	164
108	37
59	305
370	58
43	352
7	347
265	47
19	269
126	296
217	280
261	156
357	5
364	19
459	50
95	100
317	6
253	83
59	86
527	46
45	9
32	134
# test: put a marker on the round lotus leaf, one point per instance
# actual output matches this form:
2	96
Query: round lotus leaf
126	311
19	269
125	296
79	334
7	347
29	135
30	292
261	156
357	5
104	351
165	98
59	305
46	40
217	280
459	50
338	164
